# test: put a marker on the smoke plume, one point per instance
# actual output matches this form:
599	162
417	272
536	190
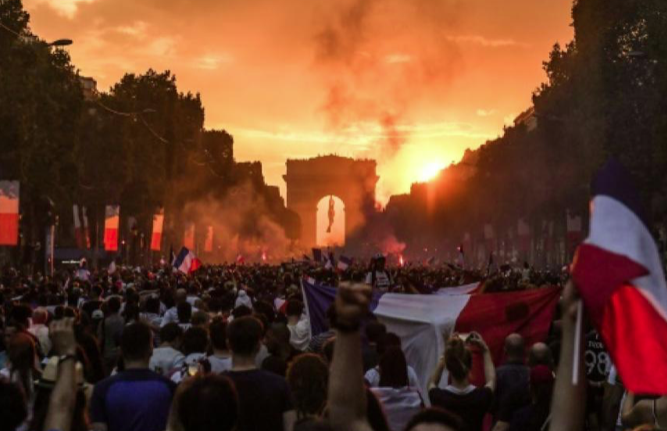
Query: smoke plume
242	226
379	59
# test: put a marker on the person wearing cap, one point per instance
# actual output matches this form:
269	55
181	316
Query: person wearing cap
378	277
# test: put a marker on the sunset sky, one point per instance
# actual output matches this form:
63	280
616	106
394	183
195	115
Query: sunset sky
411	83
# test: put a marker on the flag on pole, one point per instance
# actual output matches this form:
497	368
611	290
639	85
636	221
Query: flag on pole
158	225
186	261
619	274
86	231
189	236
240	260
111	223
344	263
78	231
112	267
9	212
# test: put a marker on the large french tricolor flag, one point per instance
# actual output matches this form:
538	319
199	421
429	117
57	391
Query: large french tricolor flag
186	261
422	320
156	237
620	277
9	212
111	223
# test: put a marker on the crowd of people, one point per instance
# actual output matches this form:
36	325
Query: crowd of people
231	348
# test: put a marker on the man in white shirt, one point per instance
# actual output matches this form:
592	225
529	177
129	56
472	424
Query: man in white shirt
167	357
171	315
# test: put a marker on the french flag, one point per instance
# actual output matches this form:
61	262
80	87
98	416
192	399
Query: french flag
111	223
186	261
9	212
620	278
344	263
156	237
422	320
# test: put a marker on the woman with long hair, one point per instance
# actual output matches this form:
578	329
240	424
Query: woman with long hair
400	400
307	377
471	403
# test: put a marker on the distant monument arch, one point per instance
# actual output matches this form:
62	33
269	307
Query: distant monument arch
310	181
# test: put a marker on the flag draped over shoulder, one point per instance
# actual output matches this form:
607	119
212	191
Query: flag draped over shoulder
421	320
619	275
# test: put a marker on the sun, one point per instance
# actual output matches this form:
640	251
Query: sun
430	171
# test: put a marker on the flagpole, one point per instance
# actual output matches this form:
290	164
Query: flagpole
577	343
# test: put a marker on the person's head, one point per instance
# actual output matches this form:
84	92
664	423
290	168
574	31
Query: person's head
294	308
95	292
515	349
388	340
540	354
393	368
244	335
380	262
195	340
153	305
207	403
12	405
458	359
218	334
136	343
184	310
171	333
113	305
434	419
40	316
375	331
277	337
181	296
307	377
131	312
200	318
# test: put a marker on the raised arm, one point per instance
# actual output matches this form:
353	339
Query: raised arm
489	369
569	402
347	394
63	397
